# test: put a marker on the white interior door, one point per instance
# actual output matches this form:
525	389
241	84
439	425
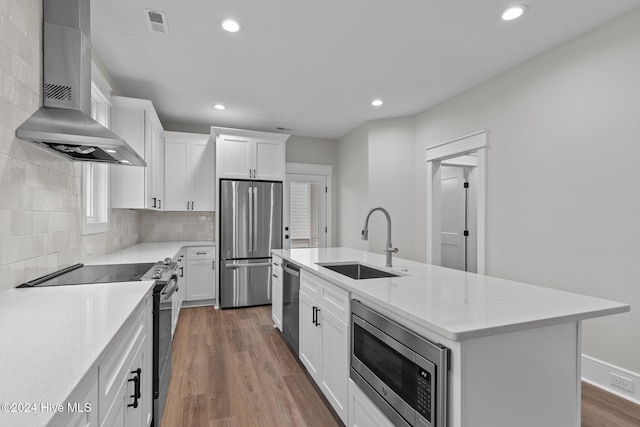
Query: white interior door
305	211
453	217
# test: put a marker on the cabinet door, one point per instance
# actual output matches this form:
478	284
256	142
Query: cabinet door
128	182
269	160
363	412
235	157
158	166
276	289
202	178
200	279
335	361
176	175
310	337
122	413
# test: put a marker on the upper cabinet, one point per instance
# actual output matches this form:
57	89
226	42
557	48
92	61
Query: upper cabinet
136	121
189	172
243	154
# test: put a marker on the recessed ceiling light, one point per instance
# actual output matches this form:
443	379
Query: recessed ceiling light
377	102
230	25
513	12
220	106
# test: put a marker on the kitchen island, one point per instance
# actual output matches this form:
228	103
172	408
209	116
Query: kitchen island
515	348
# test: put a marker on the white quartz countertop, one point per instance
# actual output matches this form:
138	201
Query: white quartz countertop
146	252
452	303
52	337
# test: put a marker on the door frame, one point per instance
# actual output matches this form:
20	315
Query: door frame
435	155
312	169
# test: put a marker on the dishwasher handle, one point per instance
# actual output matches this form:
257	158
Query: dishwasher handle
295	273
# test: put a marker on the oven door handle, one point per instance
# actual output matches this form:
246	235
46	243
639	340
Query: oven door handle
170	289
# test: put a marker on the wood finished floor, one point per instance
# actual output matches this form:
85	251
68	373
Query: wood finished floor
231	368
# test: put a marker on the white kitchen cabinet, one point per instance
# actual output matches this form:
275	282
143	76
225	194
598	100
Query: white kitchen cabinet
136	187
200	274
362	411
126	372
178	296
276	291
324	338
189	172
104	395
244	154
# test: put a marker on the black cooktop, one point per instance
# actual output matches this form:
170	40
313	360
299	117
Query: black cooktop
85	274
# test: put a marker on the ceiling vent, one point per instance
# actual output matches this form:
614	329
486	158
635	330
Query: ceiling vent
157	21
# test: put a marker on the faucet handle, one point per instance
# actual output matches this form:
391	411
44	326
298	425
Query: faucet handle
393	250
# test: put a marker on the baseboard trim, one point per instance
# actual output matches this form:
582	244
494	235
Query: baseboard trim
598	373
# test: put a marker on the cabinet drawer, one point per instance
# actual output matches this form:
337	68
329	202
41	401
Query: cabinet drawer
310	284
330	297
335	300
205	252
276	262
114	368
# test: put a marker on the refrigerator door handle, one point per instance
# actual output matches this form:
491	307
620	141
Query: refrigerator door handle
254	212
255	264
249	221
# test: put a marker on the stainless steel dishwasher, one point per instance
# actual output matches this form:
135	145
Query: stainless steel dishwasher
291	305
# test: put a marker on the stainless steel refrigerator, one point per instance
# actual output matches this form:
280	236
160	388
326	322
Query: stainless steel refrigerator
250	226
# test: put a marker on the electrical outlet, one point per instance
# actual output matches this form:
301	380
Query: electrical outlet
89	248
622	382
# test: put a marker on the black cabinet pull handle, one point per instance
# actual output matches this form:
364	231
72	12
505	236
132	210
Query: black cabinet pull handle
154	202
314	319
181	271
136	388
159	204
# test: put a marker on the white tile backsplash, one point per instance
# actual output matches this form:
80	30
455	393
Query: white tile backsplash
40	193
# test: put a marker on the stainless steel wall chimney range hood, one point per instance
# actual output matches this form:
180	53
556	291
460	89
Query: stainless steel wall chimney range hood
64	124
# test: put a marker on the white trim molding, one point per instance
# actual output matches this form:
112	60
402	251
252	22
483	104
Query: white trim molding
217	131
598	373
438	154
309	169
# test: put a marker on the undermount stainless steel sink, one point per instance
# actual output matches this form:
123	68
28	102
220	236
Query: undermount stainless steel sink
357	271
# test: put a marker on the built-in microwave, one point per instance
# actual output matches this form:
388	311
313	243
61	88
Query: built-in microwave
404	374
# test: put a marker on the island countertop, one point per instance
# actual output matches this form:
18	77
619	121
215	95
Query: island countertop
455	304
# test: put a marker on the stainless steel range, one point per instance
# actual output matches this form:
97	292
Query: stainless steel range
166	284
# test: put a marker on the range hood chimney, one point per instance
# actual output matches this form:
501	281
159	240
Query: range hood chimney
64	124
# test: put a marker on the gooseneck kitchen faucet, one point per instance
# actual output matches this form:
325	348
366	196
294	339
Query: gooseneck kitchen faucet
365	233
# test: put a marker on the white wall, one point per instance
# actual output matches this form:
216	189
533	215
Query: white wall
391	184
563	198
353	187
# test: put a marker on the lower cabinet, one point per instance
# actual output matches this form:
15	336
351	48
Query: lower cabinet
125	374
118	391
362	411
178	296
324	338
200	283
276	291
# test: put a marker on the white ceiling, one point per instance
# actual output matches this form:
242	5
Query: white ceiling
315	66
